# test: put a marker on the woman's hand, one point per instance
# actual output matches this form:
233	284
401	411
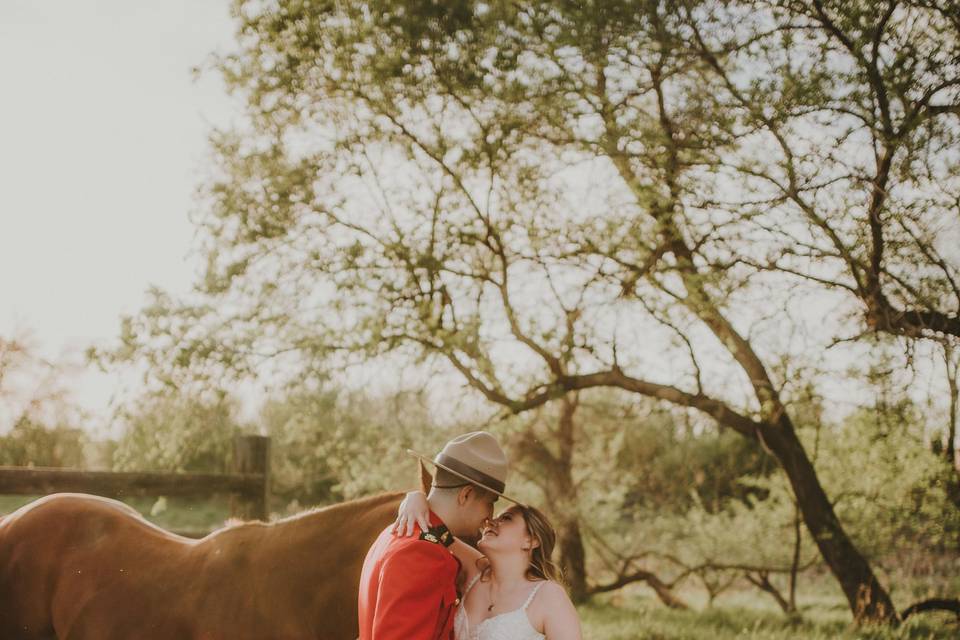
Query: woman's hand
414	510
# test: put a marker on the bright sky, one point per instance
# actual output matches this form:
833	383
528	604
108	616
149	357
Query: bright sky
102	133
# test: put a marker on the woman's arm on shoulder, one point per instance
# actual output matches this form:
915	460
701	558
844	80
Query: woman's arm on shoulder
413	511
560	619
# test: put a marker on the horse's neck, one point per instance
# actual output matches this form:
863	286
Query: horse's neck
359	519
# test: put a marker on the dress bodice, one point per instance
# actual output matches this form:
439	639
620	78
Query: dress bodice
512	625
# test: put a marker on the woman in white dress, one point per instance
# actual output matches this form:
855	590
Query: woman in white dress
512	588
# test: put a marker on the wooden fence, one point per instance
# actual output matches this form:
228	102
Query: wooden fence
248	483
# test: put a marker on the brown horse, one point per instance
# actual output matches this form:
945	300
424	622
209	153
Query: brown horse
81	567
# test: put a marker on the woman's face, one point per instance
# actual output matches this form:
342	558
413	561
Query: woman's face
506	532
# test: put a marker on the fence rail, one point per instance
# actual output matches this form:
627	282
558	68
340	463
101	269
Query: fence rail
248	483
43	480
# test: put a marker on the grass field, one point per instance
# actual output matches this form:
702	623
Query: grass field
744	615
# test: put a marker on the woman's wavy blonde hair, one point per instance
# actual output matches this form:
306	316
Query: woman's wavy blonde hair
539	528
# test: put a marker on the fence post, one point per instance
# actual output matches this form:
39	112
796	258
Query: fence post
251	455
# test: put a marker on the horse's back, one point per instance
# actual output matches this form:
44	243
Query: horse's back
83	520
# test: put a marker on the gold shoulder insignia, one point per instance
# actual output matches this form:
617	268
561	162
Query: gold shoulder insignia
438	535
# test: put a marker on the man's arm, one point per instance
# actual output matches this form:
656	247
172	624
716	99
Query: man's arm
417	584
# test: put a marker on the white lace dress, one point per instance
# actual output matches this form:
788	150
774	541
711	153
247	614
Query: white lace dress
513	625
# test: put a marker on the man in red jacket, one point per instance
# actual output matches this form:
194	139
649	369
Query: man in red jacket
408	586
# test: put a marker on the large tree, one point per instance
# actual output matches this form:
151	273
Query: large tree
549	197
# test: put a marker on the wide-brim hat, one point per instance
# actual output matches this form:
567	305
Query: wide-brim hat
477	458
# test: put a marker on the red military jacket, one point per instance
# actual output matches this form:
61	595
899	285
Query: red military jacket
408	586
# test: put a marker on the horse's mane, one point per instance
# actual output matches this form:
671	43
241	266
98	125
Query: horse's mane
342	508
338	510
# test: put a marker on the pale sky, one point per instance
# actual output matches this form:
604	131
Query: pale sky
102	135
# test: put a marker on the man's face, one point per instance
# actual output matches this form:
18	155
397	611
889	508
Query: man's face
477	509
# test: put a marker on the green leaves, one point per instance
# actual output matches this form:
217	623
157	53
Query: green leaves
167	432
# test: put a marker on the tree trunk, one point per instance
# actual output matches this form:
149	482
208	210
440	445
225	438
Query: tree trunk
950	451
553	471
954	400
868	600
573	558
569	538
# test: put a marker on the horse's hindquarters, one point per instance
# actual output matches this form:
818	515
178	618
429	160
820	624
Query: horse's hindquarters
63	552
26	585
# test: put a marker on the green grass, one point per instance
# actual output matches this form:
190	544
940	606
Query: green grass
637	617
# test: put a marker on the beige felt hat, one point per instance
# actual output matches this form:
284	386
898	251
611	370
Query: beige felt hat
476	457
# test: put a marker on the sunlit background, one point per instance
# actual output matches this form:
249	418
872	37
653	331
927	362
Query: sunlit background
386	236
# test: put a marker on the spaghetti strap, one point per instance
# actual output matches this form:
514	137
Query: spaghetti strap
470	586
532	594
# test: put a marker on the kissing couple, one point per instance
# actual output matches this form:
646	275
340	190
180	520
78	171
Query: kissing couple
447	569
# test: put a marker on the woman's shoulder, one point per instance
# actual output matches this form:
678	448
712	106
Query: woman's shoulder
550	606
552	612
550	590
